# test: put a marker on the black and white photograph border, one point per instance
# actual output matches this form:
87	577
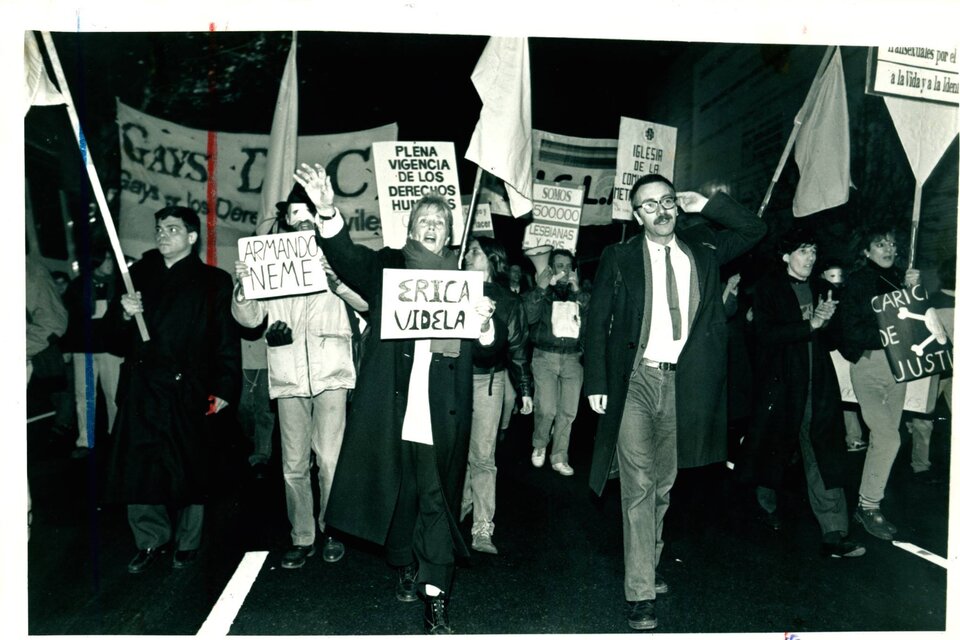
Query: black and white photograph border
563	570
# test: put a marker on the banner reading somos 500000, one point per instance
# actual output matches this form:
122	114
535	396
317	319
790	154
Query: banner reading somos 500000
163	164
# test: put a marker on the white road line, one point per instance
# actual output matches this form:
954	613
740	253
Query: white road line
225	611
923	553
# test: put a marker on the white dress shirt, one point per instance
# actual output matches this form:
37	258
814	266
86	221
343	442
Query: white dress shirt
661	347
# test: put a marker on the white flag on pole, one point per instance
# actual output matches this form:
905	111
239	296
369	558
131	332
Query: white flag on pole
39	89
502	141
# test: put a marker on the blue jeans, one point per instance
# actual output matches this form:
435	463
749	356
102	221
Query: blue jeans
310	423
480	485
558	378
881	403
647	457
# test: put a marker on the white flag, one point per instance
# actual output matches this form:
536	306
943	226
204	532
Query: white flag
282	150
822	149
39	90
502	141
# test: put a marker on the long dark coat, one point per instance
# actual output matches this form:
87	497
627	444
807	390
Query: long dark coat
367	482
618	325
785	343
161	436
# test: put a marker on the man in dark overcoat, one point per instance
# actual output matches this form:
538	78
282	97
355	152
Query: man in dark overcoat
400	474
797	396
188	369
655	364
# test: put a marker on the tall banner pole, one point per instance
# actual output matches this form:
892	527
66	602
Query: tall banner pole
92	174
468	222
797	122
915	222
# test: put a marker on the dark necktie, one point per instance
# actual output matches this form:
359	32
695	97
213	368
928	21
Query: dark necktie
673	297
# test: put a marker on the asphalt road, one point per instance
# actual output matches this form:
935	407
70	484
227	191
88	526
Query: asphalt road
560	567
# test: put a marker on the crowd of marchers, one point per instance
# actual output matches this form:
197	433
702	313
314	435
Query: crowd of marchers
403	432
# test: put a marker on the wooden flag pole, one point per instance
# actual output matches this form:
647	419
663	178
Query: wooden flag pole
469	220
797	122
92	174
915	223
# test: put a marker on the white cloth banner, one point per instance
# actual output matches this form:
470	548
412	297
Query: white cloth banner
163	163
926	129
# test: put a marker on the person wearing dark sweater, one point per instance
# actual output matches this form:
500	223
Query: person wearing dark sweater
880	397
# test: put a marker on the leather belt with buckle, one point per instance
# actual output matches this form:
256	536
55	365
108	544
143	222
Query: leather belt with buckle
663	366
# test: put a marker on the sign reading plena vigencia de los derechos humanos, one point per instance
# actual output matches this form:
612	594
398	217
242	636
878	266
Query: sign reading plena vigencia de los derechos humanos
282	264
428	303
912	351
407	171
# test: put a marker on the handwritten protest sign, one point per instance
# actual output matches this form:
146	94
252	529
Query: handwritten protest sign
642	148
407	171
911	349
427	303
921	394
282	264
556	217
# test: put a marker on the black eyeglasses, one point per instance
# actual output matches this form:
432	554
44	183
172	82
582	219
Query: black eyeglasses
651	206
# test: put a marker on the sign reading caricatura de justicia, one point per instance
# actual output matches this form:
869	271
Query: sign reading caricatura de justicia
912	350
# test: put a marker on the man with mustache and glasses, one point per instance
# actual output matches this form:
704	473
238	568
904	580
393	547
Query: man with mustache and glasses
655	364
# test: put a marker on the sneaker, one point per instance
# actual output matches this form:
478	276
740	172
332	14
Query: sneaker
856	445
483	543
406	590
874	523
660	585
538	457
842	549
297	556
332	549
562	468
641	615
435	618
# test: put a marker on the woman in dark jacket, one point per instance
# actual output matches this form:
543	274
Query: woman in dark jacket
880	397
489	372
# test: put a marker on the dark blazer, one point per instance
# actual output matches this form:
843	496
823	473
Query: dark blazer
785	343
618	325
513	356
367	482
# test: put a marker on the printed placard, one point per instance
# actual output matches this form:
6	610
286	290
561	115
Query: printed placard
556	217
482	221
430	303
642	148
407	171
282	264
921	394
930	74
911	349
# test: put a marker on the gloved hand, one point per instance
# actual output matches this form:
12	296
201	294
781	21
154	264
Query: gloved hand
278	334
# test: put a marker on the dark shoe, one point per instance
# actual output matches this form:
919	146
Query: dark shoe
407	583
660	585
769	520
79	453
927	477
259	471
842	549
183	559
874	523
297	556
642	615
332	549
435	620
144	559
